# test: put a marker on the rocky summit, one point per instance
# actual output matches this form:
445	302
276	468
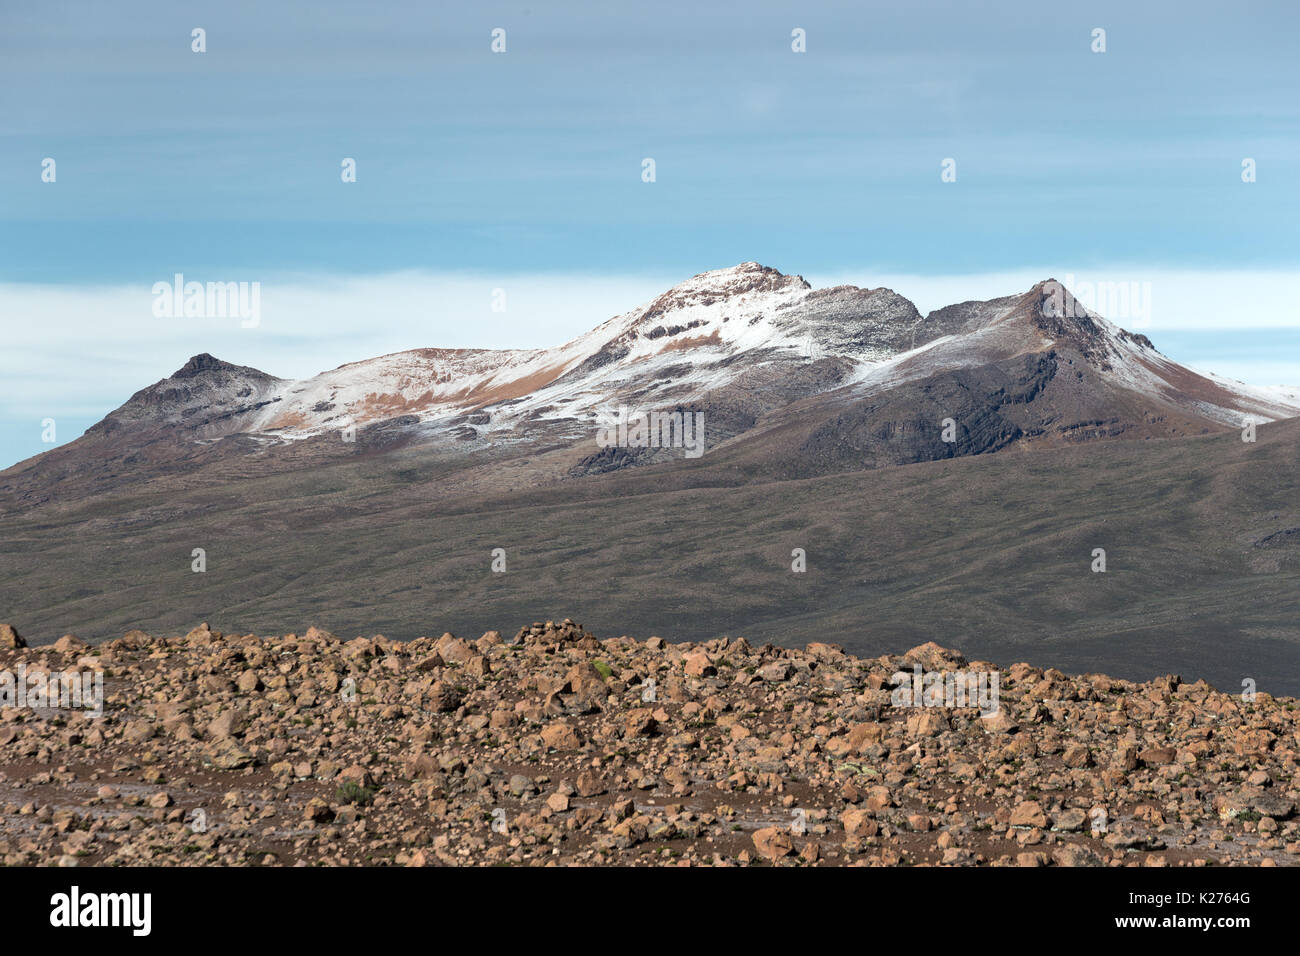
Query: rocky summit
552	746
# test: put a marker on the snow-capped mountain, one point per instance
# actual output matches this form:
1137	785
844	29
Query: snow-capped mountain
699	336
850	374
707	333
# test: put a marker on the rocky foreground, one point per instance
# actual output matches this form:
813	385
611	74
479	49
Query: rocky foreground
555	747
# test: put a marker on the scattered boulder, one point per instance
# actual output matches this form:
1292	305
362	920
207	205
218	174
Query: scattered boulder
773	843
554	746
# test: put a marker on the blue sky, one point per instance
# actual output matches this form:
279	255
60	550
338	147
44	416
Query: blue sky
522	170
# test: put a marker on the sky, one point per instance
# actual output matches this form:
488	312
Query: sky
523	171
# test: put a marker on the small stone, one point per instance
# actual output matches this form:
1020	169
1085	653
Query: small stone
773	843
1028	814
561	736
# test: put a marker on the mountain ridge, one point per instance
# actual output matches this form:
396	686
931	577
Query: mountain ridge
748	346
863	323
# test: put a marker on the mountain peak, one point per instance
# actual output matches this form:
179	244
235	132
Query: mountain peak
203	362
745	277
205	395
718	284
